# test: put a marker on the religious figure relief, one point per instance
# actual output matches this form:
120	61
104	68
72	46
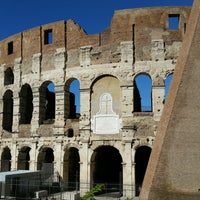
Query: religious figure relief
106	121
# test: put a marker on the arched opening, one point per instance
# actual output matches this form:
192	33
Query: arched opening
71	169
70	133
8	76
167	84
6	160
23	159
106	168
142	93
47	103
72	99
106	105
45	161
26	104
141	159
8	110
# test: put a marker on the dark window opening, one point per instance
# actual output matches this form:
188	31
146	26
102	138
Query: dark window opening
173	22
48	36
26	104
141	159
8	76
6	160
10	48
45	161
137	98
72	100
71	170
8	111
106	168
23	159
47	103
70	133
185	27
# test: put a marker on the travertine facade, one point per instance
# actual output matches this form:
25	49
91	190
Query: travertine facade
111	139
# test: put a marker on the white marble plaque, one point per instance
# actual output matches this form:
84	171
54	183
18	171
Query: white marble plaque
106	121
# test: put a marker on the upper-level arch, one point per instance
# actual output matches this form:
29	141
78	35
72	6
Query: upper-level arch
26	104
8	76
23	158
8	110
6	159
105	105
45	160
105	84
142	93
47	102
72	99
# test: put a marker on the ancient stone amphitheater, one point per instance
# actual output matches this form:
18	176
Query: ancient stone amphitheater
108	137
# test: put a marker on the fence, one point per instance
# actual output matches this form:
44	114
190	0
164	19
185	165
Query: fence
40	186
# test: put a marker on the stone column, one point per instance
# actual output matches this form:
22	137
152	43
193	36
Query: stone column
127	100
59	62
36	63
127	171
127	52
1	95
157	101
33	157
16	114
157	50
58	157
17	72
84	168
85	109
16	102
36	110
14	156
85	56
133	171
60	109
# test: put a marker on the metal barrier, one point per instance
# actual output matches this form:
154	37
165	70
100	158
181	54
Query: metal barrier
41	189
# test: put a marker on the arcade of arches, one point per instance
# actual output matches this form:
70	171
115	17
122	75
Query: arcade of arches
106	166
85	108
120	164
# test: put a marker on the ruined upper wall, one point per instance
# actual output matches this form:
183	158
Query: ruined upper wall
141	26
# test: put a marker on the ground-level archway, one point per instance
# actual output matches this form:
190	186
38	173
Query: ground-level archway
71	169
45	160
141	161
23	158
106	168
6	160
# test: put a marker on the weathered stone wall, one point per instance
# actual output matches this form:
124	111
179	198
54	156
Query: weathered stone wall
138	41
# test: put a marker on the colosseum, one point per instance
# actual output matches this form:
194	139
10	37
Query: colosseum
108	137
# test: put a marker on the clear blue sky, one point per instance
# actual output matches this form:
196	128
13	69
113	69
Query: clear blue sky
94	16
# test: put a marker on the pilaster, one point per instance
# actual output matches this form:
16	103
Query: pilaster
60	109
158	101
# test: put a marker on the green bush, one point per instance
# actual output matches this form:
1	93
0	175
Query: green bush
90	194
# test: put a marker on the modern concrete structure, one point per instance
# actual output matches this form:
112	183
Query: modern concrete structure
109	138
